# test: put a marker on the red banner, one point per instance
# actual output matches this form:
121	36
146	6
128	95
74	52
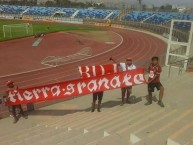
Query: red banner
76	87
98	70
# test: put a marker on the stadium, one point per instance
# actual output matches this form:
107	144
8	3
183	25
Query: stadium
55	56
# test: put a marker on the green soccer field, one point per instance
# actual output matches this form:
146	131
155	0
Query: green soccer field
37	27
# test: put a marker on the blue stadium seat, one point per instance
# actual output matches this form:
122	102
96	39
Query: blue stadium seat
11	9
95	13
137	16
182	25
158	18
48	11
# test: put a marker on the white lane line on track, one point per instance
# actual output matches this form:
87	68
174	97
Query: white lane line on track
37	42
72	61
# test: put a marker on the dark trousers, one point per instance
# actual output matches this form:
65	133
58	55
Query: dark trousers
14	110
97	96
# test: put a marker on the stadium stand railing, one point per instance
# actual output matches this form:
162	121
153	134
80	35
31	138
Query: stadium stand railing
180	65
122	14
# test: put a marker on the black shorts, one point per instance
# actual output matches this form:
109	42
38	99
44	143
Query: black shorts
152	86
98	96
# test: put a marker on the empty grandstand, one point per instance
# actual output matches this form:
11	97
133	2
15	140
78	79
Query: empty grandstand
158	18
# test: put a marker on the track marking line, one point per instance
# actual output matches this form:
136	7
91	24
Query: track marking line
37	42
35	70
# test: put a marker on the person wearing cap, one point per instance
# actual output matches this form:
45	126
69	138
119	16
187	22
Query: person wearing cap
12	87
124	66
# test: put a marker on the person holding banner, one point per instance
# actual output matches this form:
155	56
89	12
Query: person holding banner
154	71
124	66
14	88
97	96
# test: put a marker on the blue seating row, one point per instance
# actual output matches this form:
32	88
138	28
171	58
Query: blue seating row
159	18
49	11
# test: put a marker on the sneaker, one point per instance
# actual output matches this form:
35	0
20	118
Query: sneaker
128	102
25	116
161	104
15	120
148	103
121	104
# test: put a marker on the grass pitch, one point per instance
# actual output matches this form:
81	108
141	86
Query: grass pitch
41	27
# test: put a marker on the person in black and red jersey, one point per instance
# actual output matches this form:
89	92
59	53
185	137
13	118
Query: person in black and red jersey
12	87
154	71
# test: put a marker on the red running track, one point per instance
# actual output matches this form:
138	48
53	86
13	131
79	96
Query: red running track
19	55
139	46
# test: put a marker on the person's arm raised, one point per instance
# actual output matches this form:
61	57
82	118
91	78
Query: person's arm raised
113	60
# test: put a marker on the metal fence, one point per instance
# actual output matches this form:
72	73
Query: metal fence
41	18
180	65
